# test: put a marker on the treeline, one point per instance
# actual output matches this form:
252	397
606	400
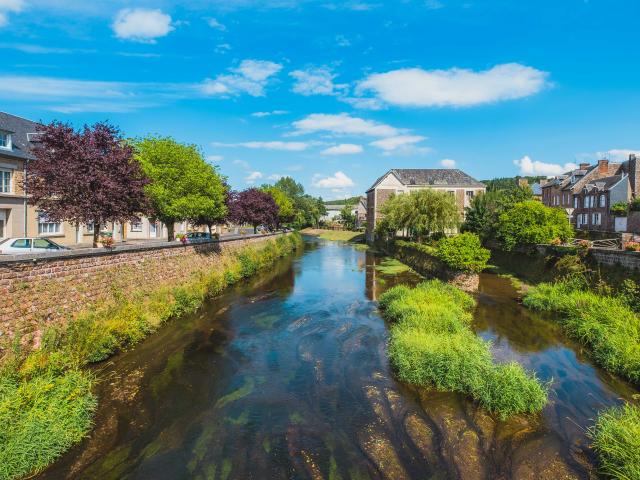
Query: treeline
95	175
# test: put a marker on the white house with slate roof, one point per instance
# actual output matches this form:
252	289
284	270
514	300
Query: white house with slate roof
399	181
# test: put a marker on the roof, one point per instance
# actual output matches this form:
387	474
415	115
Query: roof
431	177
20	128
536	189
604	183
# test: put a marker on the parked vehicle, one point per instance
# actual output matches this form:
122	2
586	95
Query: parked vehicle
197	237
25	245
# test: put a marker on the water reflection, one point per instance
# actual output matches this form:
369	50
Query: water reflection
288	377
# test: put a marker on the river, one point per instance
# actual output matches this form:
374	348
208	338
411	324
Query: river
286	377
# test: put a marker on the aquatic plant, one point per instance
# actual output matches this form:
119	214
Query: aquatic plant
463	252
46	404
616	439
604	324
432	344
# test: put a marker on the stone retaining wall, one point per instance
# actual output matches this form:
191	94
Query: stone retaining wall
36	290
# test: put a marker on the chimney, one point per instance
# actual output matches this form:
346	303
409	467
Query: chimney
584	166
603	167
523	182
634	175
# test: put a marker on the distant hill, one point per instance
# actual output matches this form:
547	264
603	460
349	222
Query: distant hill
345	201
508	182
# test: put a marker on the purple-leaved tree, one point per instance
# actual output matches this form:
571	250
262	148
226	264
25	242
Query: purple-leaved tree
254	207
86	176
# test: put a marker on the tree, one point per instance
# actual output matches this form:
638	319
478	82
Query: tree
286	209
86	176
290	187
348	218
254	207
307	209
183	186
421	214
530	223
218	216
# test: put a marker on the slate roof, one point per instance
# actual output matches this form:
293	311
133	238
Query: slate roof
20	128
536	189
431	177
604	183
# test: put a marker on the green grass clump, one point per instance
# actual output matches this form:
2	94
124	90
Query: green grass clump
46	404
432	344
335	235
616	439
606	325
40	418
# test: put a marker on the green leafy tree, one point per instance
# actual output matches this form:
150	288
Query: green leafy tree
530	223
285	204
348	218
183	186
290	187
463	252
421	214
307	209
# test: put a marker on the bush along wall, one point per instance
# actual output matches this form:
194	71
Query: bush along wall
46	399
432	344
457	260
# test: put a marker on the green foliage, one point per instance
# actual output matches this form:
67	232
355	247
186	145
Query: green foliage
463	252
509	183
348	218
421	214
605	324
307	209
530	223
286	209
630	293
40	418
616	439
46	403
619	209
634	205
346	201
183	186
432	344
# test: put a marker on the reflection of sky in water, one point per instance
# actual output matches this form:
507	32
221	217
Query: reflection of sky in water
288	378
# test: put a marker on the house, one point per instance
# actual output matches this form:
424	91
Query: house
361	212
333	213
17	218
399	181
588	192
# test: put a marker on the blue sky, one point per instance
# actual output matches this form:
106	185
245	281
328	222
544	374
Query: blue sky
336	93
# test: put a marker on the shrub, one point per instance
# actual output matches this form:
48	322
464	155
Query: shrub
619	209
432	344
634	206
463	252
605	324
530	223
616	439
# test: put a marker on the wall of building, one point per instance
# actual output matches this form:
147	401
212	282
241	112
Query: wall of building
38	290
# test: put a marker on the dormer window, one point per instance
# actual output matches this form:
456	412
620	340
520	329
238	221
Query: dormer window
5	140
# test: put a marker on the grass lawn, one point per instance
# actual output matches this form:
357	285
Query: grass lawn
335	235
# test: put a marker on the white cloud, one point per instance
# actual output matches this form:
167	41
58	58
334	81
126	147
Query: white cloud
253	177
618	154
215	24
415	87
395	143
274	145
214	158
222	48
141	25
242	163
275	177
433	4
343	124
9	6
342	41
343	149
337	180
533	168
315	81
448	163
269	114
251	77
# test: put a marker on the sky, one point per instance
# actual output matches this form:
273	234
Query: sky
336	93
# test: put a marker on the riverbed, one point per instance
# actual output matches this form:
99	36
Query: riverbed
286	377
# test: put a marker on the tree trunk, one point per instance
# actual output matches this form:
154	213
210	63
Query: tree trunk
255	229
210	232
170	231
96	234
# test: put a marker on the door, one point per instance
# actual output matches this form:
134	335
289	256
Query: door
621	224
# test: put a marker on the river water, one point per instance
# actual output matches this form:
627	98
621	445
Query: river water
286	377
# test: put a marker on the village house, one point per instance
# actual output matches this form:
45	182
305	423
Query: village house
400	181
588	193
19	219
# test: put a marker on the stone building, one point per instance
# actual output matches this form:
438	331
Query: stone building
399	181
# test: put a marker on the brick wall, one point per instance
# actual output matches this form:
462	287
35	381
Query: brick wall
39	290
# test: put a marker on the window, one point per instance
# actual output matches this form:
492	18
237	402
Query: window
153	229
5	181
603	201
44	243
596	218
22	243
89	227
470	194
46	226
576	202
136	226
5	140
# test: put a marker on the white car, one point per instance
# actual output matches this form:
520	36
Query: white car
24	245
